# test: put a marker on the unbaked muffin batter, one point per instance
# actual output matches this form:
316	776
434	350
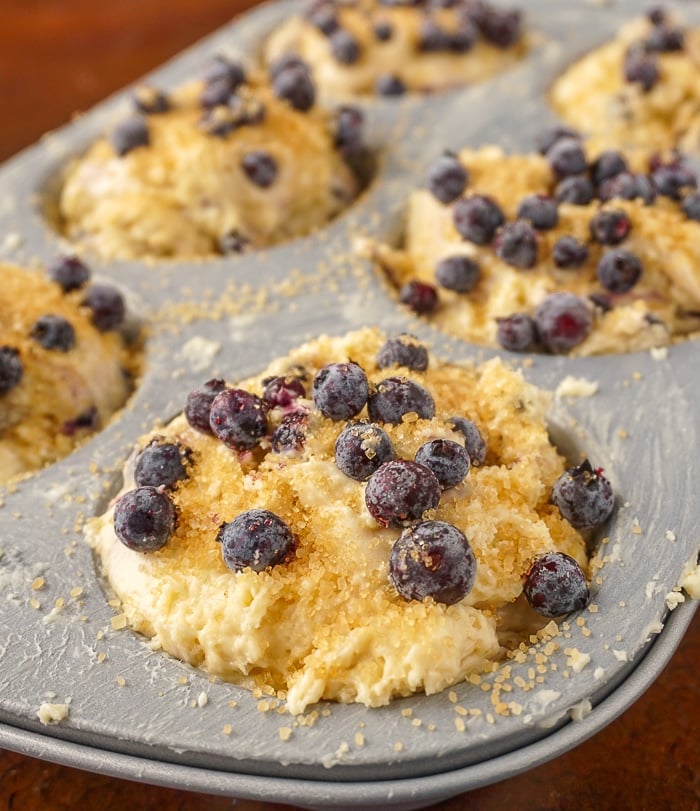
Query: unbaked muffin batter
326	621
641	89
387	49
64	366
498	243
224	165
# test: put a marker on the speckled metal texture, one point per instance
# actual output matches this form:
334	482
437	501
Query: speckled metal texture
140	714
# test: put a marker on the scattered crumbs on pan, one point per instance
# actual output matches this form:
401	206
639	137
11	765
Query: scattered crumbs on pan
198	353
571	387
581	710
53	713
674	598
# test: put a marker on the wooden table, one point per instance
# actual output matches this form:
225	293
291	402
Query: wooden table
61	56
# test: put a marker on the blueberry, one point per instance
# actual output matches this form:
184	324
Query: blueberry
233	242
463	37
345	47
473	440
130	134
576	190
584	496
260	168
68	272
238	418
107	306
540	210
641	67
566	157
657	15
448	460
673	181
432	37
361	448
383	31
88	420
569	253
401	492
216	93
602	301
256	539
458	273
516	333
144	519
283	391
665	39
556	585
150	101
395	397
390	85
222	78
628	186
161	464
691	206
447	178
608	164
619	271
477	218
563	320
324	17
54	332
198	405
432	559
516	244
285	62
404	350
421	297
349	124
501	27
294	85
546	139
222	68
340	390
11	369
610	227
290	434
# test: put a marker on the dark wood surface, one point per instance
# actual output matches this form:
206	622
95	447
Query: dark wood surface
58	57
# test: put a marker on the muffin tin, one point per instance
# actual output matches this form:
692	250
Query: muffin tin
141	714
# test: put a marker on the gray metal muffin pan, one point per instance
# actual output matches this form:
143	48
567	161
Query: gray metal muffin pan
142	715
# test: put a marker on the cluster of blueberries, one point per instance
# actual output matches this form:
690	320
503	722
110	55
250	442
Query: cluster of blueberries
562	320
55	333
499	27
430	558
228	104
641	63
